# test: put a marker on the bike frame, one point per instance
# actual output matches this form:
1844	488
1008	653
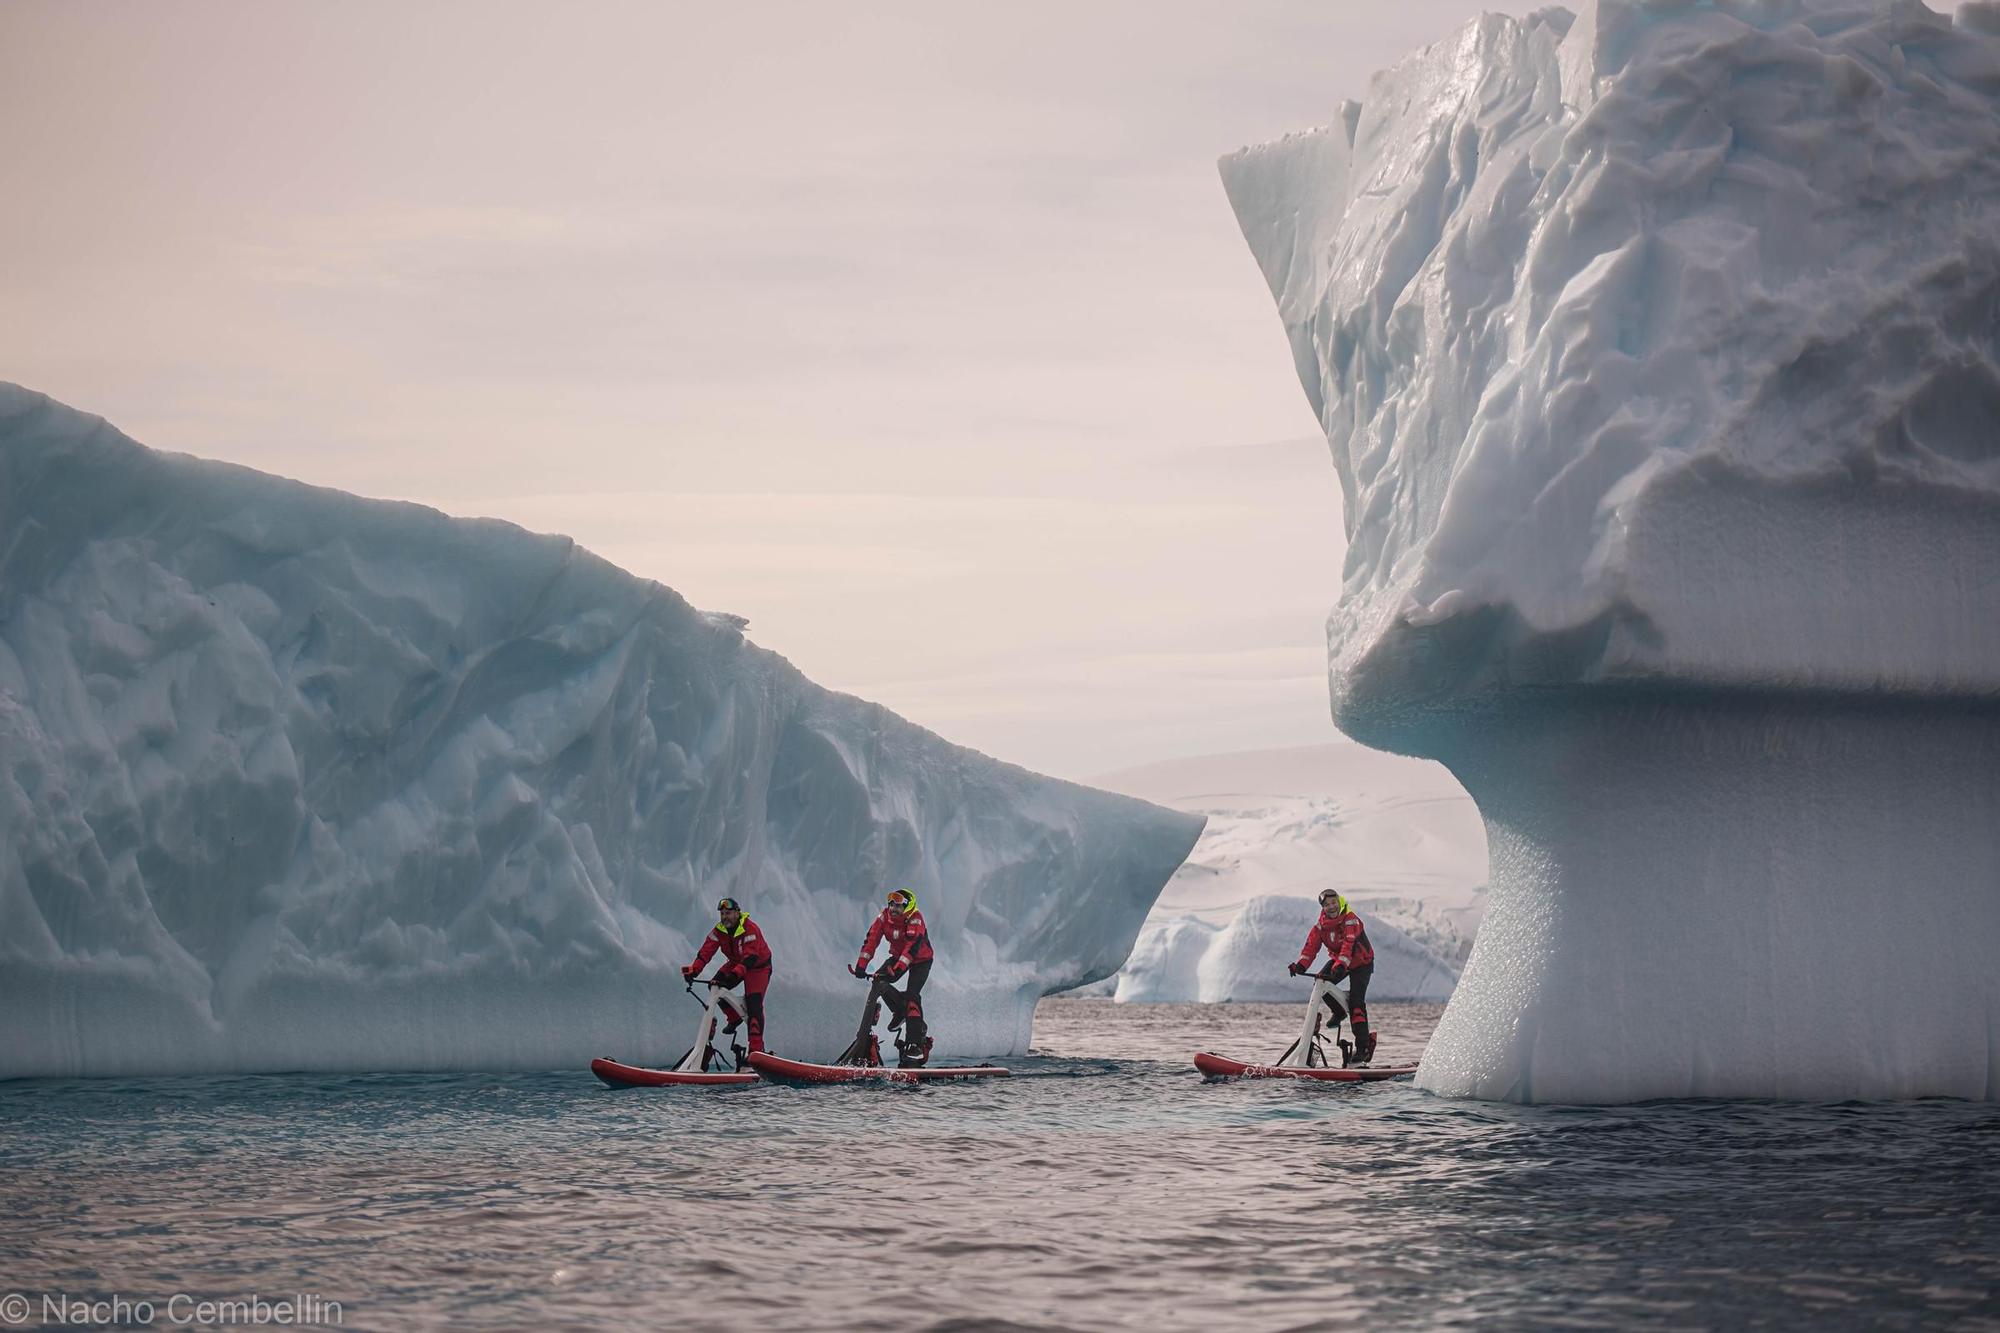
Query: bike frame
863	1050
697	1059
1307	1052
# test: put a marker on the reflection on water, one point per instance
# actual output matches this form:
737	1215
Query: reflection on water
1106	1187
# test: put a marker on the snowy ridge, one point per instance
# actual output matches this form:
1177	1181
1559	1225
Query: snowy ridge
1396	835
1658	353
1655	344
291	779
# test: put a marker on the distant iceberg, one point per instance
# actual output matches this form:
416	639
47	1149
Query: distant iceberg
1186	960
295	780
1396	835
1658	350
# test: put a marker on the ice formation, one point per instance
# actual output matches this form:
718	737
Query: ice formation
1396	835
1658	350
295	780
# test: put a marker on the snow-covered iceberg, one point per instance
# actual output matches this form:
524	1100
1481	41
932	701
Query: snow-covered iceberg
1658	350
1396	835
295	780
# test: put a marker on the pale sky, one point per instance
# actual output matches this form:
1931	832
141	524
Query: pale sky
920	334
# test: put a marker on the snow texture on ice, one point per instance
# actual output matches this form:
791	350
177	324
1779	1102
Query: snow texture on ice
295	780
1658	351
1660	343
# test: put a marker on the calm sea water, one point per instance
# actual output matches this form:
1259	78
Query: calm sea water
1104	1187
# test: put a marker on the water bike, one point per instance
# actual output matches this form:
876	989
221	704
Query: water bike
702	1066
862	1060
1307	1056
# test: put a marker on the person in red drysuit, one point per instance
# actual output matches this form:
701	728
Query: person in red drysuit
1349	955
902	926
749	964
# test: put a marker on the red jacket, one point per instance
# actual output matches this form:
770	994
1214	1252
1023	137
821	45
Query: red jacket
744	946
909	941
1345	938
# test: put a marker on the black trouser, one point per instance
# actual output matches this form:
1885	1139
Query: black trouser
1356	1011
908	1006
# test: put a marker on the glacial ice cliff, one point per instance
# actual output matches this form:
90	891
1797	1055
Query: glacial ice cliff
1658	351
295	780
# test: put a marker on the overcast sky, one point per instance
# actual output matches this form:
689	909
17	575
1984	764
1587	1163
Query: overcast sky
919	334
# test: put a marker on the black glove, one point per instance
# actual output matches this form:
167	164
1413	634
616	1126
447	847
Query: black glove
892	974
1336	975
687	974
728	977
860	971
1297	969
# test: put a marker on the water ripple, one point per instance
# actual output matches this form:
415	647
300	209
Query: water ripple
1104	1187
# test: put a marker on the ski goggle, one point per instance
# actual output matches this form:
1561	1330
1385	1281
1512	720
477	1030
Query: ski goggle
902	898
727	905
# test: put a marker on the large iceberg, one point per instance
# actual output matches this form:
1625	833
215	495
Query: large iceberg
295	780
1658	349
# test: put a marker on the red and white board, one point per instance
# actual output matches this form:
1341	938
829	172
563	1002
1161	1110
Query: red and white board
632	1076
797	1071
1221	1066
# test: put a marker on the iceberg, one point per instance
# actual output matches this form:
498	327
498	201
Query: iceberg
1186	960
1396	835
1657	348
293	780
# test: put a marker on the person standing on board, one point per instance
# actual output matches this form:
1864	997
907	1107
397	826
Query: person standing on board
749	964
901	925
1349	955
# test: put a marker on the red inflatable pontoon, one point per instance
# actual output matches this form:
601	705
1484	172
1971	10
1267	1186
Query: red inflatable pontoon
616	1075
778	1068
1220	1066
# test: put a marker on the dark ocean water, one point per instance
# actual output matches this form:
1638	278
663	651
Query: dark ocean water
1104	1187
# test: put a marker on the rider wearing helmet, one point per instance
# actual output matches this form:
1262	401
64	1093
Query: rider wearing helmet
901	925
749	964
1349	955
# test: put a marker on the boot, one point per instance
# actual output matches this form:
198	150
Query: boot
1364	1045
732	1018
915	1047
